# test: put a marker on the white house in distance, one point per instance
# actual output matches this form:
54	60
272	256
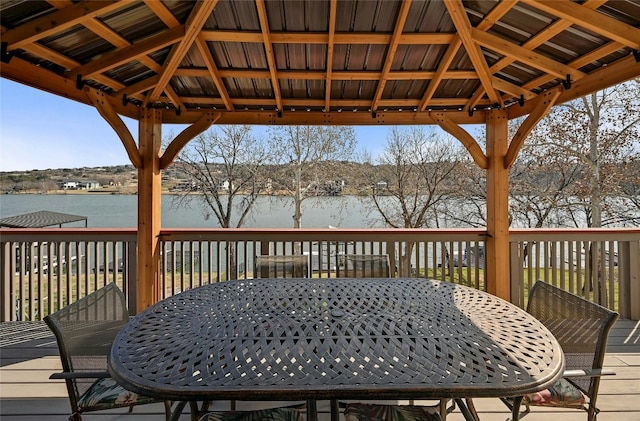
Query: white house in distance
80	185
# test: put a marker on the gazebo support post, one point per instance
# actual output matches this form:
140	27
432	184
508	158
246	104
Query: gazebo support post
497	275
149	208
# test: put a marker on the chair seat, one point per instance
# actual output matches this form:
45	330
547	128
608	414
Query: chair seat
273	414
562	393
373	412
107	394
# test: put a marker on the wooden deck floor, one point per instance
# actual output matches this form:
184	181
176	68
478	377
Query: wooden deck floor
28	355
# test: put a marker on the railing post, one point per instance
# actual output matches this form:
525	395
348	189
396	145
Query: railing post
629	279
130	282
5	292
517	270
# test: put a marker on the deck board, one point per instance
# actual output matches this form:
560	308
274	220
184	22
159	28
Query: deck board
28	356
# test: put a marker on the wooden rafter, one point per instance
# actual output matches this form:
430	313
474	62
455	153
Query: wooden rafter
333	7
268	50
492	17
597	22
162	13
439	75
462	24
531	58
391	52
58	21
198	17
214	73
132	52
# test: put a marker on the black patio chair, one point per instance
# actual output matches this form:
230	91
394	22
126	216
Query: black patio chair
582	329
84	331
289	266
363	266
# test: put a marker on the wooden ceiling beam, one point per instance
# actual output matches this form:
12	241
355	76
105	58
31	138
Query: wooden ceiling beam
530	58
196	20
213	72
585	17
333	7
162	12
58	21
498	11
268	49
391	52
321	75
127	54
439	75
595	55
463	25
366	38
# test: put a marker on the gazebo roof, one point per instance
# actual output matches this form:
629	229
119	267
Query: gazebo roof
320	62
40	219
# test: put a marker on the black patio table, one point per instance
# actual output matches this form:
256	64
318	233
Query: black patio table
317	339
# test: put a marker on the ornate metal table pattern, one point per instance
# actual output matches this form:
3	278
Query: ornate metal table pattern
271	339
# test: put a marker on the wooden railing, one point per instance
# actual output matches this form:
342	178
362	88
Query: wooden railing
44	269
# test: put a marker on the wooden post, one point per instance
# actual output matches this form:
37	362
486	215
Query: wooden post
149	207
497	274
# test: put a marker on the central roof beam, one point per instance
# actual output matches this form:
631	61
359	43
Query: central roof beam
464	28
196	20
391	52
268	50
323	38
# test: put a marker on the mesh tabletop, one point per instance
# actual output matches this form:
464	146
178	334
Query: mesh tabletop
279	339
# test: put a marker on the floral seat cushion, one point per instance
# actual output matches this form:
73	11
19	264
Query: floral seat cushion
370	412
274	414
106	394
562	393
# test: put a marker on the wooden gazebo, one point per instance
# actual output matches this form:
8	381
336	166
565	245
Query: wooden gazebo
337	62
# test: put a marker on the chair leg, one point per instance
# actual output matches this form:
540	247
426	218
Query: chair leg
472	409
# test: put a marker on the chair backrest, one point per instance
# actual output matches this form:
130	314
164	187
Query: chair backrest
580	326
85	331
289	266
363	266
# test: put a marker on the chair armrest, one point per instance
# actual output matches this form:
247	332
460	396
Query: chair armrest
592	372
80	375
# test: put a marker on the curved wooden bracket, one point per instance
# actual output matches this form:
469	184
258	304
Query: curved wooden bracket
101	101
545	102
185	136
465	138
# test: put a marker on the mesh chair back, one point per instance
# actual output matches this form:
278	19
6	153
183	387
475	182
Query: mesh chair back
85	331
580	326
363	266
282	267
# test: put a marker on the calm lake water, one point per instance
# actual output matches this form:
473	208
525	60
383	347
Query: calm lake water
120	211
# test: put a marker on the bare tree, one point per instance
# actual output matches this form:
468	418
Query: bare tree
414	177
601	134
308	158
224	168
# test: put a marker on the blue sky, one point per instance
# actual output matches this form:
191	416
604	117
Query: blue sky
39	130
